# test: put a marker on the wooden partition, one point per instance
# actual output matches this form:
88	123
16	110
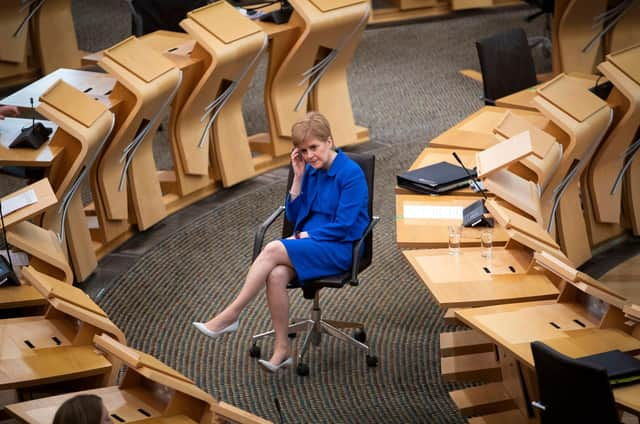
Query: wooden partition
84	124
584	119
211	128
150	391
312	74
124	182
603	183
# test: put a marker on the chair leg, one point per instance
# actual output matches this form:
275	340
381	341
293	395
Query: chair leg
344	324
296	327
305	346
334	332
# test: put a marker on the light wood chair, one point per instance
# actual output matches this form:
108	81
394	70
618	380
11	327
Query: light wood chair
312	76
584	118
84	125
39	352
150	391
210	129
124	181
602	183
569	325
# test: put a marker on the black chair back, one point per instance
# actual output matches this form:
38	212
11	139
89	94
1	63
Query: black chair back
506	64
572	391
367	163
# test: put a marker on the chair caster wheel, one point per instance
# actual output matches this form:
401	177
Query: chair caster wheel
372	360
302	369
254	352
360	335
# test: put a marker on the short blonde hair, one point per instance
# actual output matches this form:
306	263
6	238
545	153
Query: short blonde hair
313	126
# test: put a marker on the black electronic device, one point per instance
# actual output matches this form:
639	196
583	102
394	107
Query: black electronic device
7	276
438	178
602	90
32	137
473	215
279	16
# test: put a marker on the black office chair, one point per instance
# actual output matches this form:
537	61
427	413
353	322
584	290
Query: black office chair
506	64
315	325
571	391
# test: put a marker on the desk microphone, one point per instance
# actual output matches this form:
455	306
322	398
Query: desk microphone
473	215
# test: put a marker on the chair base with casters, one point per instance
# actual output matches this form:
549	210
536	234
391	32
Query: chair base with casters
315	327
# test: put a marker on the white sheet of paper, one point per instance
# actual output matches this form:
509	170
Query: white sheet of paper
432	212
19	201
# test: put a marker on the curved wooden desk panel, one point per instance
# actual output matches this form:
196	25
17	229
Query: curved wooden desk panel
83	126
627	31
576	28
584	118
12	49
233	50
323	32
146	81
55	36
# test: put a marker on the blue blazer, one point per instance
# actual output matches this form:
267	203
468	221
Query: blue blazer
345	200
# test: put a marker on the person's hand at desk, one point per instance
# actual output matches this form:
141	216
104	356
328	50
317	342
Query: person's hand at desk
8	110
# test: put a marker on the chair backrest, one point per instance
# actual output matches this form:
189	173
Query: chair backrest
506	64
367	163
572	391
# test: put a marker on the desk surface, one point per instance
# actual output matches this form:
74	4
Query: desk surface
415	232
20	297
475	132
41	157
515	326
45	199
461	281
95	84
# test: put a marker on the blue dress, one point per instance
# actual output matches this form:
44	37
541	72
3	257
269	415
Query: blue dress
332	209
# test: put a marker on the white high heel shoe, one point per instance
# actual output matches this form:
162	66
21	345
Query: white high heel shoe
215	334
273	368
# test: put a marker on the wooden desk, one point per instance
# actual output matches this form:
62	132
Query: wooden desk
628	398
413	233
457	286
46	199
41	157
95	84
475	132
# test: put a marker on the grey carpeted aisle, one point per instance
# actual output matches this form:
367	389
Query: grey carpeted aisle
405	87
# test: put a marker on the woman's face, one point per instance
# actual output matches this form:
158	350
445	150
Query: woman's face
316	153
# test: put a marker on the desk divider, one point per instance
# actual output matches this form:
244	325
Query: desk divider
145	63
628	61
222	21
504	154
73	103
513	124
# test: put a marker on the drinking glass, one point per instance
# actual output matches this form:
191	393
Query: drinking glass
486	242
455	233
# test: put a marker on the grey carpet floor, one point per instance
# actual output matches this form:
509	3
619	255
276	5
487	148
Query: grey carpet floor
406	88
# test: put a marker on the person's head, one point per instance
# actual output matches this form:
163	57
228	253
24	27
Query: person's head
82	409
312	137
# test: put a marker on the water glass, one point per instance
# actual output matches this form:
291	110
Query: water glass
455	234
486	242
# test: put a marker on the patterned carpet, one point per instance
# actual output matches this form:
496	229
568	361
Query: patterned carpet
405	87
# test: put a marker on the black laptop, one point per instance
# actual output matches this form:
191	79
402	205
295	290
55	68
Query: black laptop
438	178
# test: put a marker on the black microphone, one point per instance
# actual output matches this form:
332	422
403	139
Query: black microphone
473	180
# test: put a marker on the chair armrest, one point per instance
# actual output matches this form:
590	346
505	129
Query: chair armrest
355	264
262	229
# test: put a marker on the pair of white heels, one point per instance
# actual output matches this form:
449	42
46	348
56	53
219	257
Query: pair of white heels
230	329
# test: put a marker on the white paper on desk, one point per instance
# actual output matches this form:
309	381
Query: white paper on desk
432	212
19	201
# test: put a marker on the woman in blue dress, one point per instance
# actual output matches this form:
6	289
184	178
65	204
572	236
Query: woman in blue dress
327	203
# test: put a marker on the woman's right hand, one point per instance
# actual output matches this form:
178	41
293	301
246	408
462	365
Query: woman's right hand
297	162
